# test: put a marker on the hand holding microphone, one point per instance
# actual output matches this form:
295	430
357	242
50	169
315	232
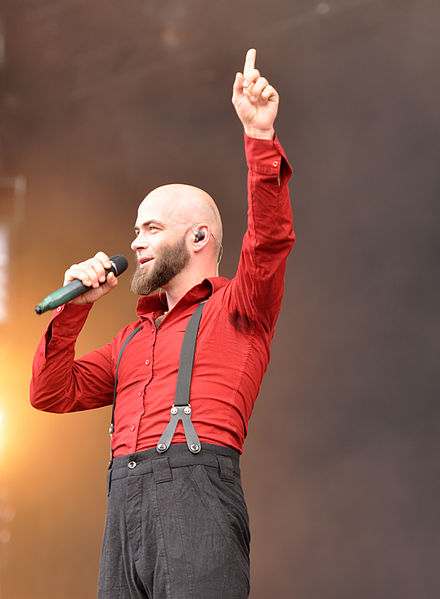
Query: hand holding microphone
86	282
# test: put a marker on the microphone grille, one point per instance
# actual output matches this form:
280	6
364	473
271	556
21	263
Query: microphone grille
119	264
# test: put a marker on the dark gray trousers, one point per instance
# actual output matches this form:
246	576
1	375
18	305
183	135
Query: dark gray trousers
177	527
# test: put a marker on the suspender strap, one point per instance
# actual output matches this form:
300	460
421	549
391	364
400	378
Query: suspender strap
181	410
112	423
186	363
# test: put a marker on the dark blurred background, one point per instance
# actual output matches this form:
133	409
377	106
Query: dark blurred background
102	101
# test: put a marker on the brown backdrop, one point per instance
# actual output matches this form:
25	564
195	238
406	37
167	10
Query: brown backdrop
102	101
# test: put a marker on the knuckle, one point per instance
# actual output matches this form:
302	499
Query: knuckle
99	258
102	259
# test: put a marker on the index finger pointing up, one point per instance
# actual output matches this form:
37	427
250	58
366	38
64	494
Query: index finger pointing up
249	62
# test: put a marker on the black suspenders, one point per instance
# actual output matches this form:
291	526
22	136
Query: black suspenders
181	410
131	335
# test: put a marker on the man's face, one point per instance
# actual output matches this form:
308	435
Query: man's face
160	242
169	260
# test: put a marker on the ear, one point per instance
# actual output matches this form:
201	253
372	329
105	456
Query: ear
200	237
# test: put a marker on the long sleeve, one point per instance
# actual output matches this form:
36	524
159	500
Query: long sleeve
258	286
61	384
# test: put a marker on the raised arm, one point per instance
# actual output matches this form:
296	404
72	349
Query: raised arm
257	289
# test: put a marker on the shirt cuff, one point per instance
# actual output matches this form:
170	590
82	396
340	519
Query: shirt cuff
266	156
68	319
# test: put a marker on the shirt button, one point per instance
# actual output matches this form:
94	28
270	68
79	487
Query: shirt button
275	163
139	394
147	362
132	427
59	309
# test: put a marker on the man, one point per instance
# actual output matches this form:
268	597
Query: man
177	525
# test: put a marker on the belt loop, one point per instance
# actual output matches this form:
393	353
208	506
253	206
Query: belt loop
161	470
226	468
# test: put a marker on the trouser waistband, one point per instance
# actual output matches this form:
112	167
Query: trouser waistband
177	456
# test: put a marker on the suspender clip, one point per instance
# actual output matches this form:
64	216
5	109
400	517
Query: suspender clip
180	413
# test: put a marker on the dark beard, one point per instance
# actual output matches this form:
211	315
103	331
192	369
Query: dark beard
169	261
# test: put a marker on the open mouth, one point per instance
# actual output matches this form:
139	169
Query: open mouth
144	261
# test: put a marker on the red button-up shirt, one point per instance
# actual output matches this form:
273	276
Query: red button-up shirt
233	343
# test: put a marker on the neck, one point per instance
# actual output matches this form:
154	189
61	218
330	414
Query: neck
180	285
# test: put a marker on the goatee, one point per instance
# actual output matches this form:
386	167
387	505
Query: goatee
169	261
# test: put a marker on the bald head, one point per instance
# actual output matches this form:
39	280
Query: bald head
186	205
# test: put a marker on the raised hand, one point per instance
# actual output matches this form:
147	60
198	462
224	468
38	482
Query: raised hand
92	273
255	100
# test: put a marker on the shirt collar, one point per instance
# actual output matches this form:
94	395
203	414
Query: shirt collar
150	304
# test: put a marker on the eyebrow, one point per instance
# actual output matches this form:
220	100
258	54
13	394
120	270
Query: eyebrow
147	223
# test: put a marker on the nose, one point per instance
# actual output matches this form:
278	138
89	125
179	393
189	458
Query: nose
139	242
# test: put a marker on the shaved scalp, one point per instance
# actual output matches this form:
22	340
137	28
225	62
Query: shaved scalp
187	205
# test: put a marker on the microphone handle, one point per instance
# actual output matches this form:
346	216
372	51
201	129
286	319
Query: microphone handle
65	294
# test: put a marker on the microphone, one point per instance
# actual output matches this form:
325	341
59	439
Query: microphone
76	287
